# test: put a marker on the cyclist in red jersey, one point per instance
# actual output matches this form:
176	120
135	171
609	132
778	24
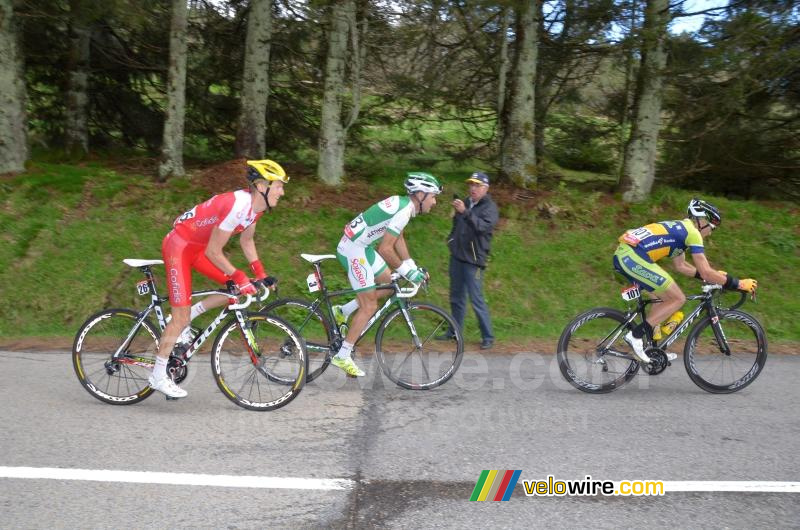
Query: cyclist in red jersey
196	242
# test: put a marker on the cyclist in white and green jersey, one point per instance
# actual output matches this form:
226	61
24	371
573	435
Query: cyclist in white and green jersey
379	225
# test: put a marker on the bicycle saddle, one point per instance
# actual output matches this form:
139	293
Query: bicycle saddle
142	262
315	258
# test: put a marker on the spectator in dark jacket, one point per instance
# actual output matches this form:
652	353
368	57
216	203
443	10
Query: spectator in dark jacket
469	242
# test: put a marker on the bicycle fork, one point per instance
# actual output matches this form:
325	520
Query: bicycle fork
410	321
719	334
249	338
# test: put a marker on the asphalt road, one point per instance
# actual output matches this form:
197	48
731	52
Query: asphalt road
413	458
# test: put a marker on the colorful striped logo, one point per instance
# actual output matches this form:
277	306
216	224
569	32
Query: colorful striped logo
495	485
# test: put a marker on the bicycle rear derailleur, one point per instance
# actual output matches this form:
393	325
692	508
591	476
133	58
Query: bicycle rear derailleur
658	361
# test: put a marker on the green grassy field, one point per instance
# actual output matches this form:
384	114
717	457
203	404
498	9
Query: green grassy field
66	229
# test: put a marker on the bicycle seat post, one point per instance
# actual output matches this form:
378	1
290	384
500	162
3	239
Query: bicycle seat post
151	280
320	279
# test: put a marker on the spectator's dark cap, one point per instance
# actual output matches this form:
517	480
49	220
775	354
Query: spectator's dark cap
479	178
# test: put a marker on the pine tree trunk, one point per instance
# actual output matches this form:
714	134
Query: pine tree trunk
518	146
642	149
171	164
625	112
250	137
330	167
502	72
77	104
543	93
13	125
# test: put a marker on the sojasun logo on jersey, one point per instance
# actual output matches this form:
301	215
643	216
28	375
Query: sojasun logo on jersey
358	271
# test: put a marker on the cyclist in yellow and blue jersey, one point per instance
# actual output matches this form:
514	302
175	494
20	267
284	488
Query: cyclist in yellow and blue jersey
639	250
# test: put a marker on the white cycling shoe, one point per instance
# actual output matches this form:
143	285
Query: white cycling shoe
671	356
638	347
167	386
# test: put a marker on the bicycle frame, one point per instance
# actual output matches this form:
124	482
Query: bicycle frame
155	305
705	305
399	296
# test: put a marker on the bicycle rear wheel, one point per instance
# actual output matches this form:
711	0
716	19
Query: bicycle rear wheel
264	373
590	352
714	371
312	325
423	366
120	381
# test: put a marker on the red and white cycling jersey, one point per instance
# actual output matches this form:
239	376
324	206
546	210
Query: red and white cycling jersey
231	211
184	247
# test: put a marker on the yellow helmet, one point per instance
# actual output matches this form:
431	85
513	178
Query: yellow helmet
265	169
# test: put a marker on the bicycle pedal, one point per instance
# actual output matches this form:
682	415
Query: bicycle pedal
170	398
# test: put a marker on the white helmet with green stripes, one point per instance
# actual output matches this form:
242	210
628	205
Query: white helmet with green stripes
425	182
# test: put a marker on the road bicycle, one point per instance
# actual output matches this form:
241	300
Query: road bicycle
258	361
405	346
724	351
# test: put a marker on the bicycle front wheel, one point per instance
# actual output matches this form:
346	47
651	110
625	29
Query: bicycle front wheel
120	380
312	325
591	353
408	353
260	367
718	372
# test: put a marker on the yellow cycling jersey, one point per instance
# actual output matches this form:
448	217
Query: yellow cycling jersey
664	239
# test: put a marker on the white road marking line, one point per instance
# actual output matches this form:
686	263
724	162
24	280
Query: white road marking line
250	481
180	479
746	486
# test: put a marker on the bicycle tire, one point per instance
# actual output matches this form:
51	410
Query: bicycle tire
120	382
747	357
276	374
412	368
312	325
577	352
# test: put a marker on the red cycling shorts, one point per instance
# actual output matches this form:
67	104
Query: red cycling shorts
180	257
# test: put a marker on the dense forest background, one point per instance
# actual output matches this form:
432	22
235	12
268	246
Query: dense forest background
534	90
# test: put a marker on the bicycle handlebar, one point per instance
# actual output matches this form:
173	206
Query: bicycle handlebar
249	299
406	292
710	287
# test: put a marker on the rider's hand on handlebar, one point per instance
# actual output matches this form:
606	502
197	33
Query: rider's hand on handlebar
748	285
416	276
243	283
270	282
411	272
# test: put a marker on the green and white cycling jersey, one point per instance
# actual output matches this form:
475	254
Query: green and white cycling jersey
392	214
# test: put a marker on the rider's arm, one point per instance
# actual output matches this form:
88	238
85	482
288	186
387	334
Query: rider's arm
219	238
401	248
706	271
247	241
388	250
683	266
